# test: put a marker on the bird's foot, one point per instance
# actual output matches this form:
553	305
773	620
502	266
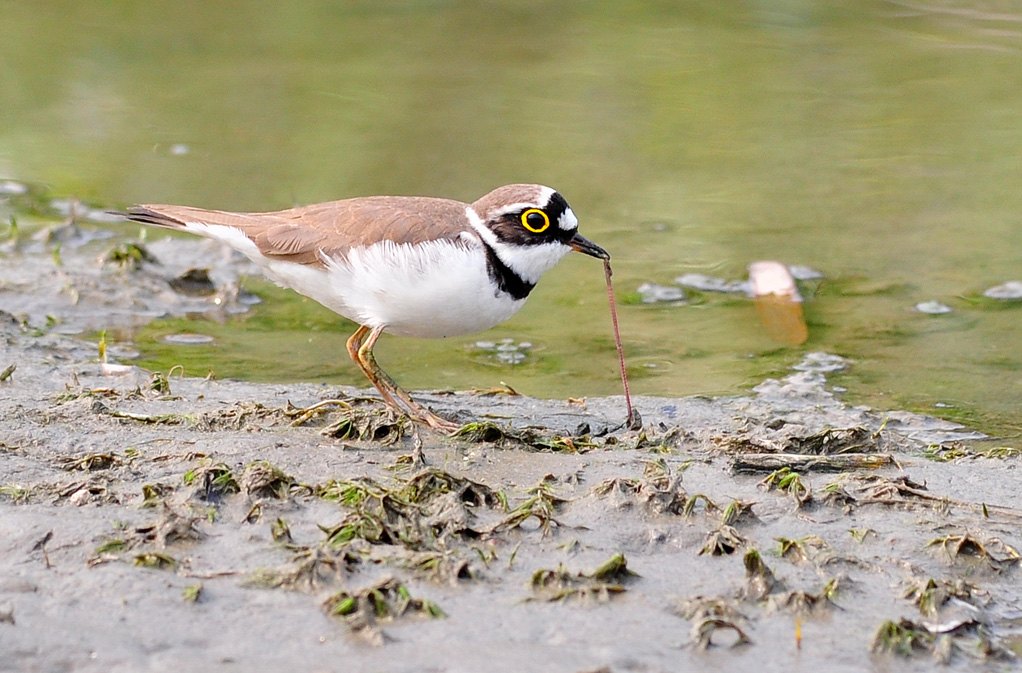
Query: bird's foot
417	413
436	422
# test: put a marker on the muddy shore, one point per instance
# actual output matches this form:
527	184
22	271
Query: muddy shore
152	522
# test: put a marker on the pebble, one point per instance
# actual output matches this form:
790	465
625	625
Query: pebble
248	299
13	187
112	369
1010	290
656	294
698	281
80	497
187	339
821	362
932	307
505	351
800	272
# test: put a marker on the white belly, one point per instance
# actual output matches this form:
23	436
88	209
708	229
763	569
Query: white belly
433	290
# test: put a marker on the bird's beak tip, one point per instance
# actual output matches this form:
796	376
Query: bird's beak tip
582	244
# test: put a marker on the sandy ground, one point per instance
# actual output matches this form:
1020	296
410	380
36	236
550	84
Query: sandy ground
155	525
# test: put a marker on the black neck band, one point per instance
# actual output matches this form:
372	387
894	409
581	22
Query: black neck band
507	280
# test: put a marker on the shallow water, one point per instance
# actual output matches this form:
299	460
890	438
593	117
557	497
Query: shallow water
875	142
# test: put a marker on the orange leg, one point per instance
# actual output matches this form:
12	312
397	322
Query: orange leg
354	348
360	348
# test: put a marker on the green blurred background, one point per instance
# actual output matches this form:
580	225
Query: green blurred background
876	142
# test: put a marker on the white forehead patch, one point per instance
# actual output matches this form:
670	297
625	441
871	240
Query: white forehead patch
567	221
545	194
513	208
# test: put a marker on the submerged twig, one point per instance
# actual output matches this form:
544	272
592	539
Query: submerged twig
769	462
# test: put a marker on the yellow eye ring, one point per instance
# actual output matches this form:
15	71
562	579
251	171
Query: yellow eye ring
536	225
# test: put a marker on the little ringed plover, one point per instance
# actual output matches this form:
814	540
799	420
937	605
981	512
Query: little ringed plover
411	266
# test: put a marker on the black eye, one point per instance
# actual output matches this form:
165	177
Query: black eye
535	220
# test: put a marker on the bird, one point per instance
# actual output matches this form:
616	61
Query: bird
410	266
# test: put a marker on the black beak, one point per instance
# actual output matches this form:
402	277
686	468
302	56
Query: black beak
584	245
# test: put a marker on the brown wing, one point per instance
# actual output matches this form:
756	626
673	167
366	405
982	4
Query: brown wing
303	234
